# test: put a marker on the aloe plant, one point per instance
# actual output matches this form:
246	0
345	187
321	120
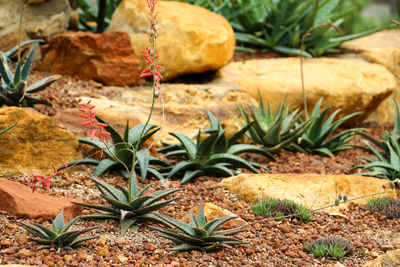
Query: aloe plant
223	144
58	236
273	130
386	163
318	139
13	89
279	25
126	206
206	157
200	234
121	150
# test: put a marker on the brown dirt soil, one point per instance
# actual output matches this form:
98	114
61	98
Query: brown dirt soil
270	243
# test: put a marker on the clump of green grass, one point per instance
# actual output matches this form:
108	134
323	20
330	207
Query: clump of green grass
273	207
331	247
390	207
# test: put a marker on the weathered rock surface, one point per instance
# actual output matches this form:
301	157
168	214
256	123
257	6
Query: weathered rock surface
40	21
190	39
346	84
312	190
185	108
107	58
20	201
382	48
389	259
34	144
212	212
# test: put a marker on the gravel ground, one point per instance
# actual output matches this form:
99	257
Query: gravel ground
270	243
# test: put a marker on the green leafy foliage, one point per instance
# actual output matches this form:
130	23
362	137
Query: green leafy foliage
212	156
223	144
386	163
318	139
273	130
388	206
200	234
279	25
57	236
331	247
126	206
278	208
121	150
89	14
13	87
8	128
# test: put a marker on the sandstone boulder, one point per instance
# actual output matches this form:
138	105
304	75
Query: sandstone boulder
185	108
346	84
107	58
20	201
389	259
34	144
382	48
42	20
190	39
312	190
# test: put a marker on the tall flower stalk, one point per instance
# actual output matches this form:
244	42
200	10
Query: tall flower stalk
153	69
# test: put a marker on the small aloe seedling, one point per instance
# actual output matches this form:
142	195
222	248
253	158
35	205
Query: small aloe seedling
390	207
126	206
317	138
13	89
273	130
200	234
331	247
58	236
279	208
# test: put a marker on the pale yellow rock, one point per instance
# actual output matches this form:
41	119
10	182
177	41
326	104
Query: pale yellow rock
381	48
185	109
350	85
34	144
190	39
212	212
389	259
312	190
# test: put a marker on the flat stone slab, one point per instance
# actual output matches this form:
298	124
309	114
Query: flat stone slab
351	85
19	200
185	109
312	190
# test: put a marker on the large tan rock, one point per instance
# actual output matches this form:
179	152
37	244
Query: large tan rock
389	259
190	39
346	84
20	201
107	57
34	144
312	190
382	48
39	21
185	108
